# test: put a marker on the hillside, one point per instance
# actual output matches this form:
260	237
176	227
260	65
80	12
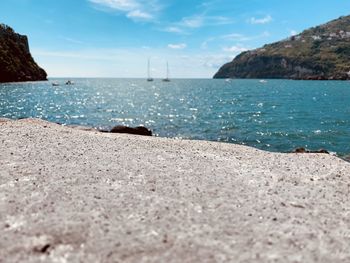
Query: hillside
16	62
322	52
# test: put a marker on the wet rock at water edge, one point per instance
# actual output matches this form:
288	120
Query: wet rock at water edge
130	130
303	150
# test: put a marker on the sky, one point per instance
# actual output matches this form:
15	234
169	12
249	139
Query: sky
115	38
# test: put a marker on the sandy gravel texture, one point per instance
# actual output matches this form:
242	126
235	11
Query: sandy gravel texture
68	195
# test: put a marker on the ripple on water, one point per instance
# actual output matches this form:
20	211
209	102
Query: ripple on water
278	116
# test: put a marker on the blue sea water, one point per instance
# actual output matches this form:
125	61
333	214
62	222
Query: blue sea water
278	115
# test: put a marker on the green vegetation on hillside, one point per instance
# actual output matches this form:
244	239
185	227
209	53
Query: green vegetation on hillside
321	52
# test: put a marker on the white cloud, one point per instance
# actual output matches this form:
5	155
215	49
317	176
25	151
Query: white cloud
196	21
265	34
173	29
235	49
122	5
243	38
177	46
129	63
192	22
72	40
293	33
137	10
214	61
264	20
236	37
137	14
204	45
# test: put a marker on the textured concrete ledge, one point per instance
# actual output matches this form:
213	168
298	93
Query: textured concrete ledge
68	195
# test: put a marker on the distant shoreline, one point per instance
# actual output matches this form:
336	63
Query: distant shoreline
345	157
156	79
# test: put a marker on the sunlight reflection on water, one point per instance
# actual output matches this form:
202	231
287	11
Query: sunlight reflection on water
278	115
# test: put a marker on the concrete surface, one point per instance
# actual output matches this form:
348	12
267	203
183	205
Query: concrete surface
68	195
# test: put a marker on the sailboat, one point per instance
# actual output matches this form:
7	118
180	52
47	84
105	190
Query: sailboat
149	78
167	73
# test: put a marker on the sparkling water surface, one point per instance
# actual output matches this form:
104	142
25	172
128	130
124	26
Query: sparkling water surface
278	115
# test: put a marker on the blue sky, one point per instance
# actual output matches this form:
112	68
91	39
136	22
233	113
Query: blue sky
114	38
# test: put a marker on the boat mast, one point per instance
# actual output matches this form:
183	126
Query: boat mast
167	73
149	78
167	70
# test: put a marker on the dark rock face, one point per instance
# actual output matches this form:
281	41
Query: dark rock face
299	150
303	150
347	158
16	62
320	53
138	130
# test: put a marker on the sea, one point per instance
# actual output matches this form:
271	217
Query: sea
272	115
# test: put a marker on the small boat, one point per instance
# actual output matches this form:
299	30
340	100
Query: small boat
55	84
149	78
69	82
167	74
263	81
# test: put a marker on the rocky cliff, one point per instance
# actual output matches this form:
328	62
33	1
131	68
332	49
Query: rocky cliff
322	52
16	62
